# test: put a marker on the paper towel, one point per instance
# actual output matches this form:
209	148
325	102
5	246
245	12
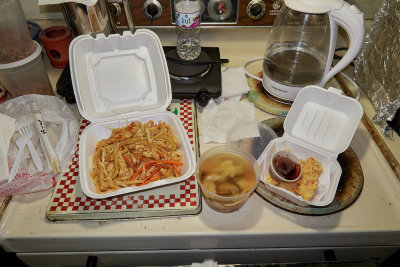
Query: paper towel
218	118
234	83
206	263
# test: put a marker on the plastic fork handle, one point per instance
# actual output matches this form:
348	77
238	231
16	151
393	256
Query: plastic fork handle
15	166
35	156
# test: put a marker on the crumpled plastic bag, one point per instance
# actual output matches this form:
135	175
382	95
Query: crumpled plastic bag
62	128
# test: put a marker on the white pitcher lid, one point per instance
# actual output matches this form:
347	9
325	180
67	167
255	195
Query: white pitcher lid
314	6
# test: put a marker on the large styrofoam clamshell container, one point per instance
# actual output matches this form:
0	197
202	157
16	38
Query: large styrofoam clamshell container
321	123
119	79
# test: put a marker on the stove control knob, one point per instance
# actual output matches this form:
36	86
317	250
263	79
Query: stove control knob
152	9
203	98
219	10
116	10
256	9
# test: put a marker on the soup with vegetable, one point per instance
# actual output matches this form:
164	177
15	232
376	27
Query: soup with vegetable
227	175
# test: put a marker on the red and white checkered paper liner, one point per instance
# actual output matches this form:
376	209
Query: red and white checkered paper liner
69	203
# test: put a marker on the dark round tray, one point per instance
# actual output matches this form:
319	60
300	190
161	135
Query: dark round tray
349	188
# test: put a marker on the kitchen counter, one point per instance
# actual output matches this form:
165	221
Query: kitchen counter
260	232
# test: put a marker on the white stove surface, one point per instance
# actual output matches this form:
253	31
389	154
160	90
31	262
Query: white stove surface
372	220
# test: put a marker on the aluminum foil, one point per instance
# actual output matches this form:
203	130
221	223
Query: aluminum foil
377	68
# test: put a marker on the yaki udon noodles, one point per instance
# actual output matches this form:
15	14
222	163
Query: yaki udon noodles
135	155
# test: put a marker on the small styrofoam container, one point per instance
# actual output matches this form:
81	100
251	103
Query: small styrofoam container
117	80
321	124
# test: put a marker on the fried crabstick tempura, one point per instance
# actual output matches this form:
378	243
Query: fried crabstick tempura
135	155
307	185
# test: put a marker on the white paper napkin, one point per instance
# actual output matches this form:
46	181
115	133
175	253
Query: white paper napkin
234	83
218	118
7	129
206	263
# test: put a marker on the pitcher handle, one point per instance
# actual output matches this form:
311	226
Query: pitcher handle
351	19
248	73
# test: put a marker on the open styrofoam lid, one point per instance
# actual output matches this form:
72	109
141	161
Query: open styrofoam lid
323	119
119	75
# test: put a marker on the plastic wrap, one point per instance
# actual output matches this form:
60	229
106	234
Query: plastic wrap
62	129
378	66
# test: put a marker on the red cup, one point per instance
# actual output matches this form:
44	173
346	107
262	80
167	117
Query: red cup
55	41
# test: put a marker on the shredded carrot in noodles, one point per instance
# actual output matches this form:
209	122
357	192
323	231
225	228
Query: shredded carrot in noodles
135	153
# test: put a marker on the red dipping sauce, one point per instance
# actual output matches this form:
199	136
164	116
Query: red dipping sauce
286	167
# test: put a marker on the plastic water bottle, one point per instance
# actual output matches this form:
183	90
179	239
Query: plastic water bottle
187	18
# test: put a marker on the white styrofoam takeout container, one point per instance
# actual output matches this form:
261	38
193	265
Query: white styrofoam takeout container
119	79
321	124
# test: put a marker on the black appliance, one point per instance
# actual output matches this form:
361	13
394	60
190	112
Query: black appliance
198	79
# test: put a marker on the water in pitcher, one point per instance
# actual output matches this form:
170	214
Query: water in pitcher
294	65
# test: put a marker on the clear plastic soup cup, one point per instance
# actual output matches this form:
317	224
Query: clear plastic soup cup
16	41
251	136
223	203
26	76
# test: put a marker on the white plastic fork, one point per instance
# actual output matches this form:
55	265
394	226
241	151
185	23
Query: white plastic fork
32	150
21	143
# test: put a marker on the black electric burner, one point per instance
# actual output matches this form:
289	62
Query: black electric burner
194	79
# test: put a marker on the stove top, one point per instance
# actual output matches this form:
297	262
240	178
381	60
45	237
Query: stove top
199	79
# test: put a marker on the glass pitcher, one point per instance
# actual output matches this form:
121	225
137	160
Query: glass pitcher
302	42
